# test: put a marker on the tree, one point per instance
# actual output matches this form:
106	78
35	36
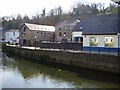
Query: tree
94	9
26	18
101	7
51	13
56	11
112	9
44	13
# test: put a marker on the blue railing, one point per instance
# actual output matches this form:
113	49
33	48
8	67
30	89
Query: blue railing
101	49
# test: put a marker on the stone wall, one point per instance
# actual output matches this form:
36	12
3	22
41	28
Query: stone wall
108	63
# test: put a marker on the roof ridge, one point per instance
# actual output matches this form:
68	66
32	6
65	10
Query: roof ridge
40	27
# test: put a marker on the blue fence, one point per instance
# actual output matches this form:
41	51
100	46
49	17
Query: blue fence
108	50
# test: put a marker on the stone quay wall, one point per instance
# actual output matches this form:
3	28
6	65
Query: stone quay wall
107	63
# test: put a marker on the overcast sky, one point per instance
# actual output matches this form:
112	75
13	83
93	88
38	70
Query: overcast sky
31	7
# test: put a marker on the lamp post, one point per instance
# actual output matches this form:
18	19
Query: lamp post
35	42
64	36
118	43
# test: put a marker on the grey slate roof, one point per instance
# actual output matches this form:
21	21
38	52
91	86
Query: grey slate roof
68	22
99	24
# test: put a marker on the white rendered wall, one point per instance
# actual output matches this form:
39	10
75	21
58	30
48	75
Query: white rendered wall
85	40
116	41
101	40
9	36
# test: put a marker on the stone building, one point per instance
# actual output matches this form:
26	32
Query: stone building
31	33
63	30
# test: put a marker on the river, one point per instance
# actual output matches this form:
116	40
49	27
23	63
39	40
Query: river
20	73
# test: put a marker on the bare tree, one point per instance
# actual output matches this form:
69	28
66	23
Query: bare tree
101	7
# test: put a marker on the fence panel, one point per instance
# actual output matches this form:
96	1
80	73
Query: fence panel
65	46
79	47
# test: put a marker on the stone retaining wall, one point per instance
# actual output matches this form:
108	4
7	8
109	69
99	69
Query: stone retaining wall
109	63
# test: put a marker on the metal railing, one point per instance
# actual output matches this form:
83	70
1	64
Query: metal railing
75	47
62	46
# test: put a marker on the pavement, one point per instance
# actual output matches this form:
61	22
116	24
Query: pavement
73	51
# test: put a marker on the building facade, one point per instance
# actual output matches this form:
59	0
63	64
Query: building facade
63	30
101	31
31	33
0	34
12	36
77	36
101	41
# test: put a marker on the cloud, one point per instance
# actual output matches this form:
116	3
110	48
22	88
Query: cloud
31	7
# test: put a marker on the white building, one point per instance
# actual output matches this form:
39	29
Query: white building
77	36
100	31
12	36
101	41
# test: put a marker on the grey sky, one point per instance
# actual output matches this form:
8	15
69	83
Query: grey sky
32	7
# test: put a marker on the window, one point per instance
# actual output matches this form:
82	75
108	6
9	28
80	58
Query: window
48	34
109	41
64	32
24	29
23	33
93	41
59	33
59	28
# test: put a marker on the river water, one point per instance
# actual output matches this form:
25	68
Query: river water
21	73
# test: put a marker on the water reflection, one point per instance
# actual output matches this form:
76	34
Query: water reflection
20	73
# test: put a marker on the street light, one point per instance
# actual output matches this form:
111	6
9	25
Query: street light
118	42
64	37
35	42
